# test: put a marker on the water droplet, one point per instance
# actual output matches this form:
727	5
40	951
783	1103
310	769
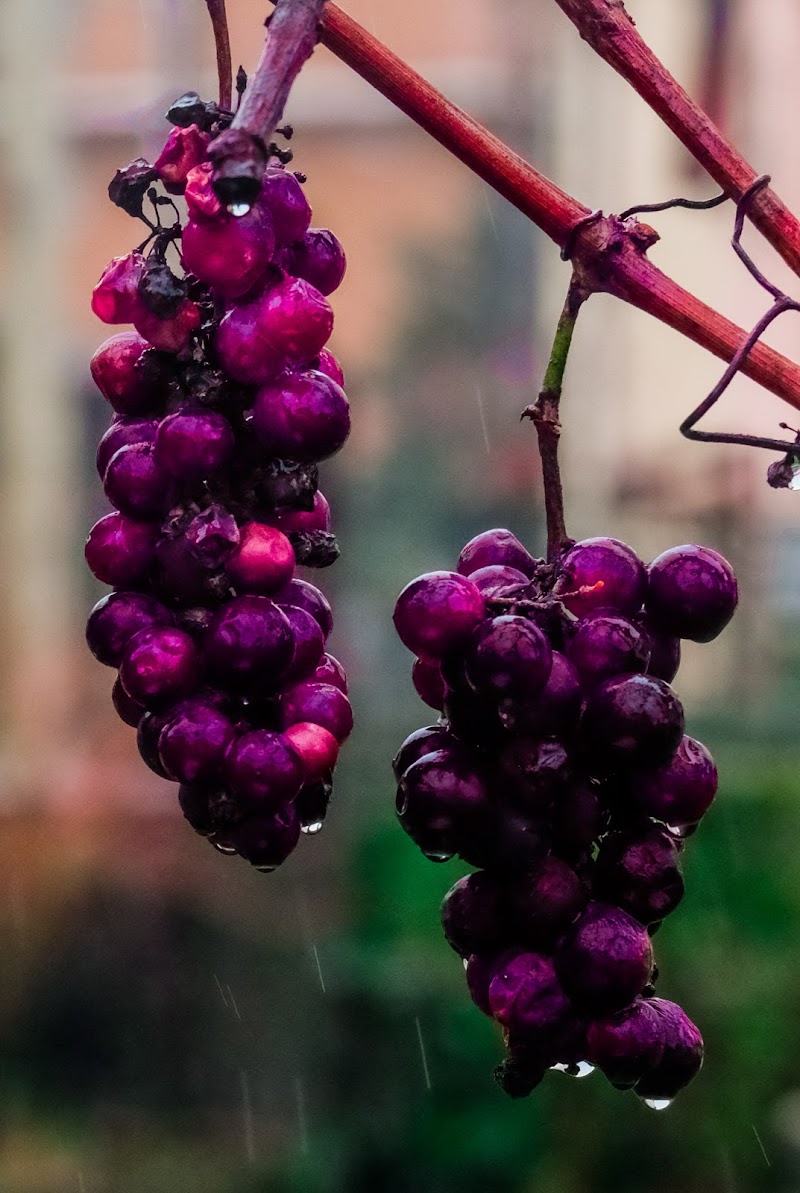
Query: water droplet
312	829
238	209
466	962
579	1069
265	869
222	847
437	857
657	1103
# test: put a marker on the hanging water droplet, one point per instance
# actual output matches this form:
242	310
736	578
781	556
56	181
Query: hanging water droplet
657	1103
222	847
466	962
238	209
438	857
579	1069
312	829
265	869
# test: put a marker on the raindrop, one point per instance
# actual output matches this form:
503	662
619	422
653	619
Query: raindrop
438	857
222	847
657	1103
580	1068
466	962
265	869
311	830
238	209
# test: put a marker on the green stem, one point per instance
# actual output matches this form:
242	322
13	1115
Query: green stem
545	416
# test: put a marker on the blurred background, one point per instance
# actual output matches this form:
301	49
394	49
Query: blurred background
170	1020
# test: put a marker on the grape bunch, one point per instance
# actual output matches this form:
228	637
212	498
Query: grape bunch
225	399
559	768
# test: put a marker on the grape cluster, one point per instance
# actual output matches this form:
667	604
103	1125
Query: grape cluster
225	400
559	768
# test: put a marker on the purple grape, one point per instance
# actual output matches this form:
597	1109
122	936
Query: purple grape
428	683
557	708
193	444
171	334
531	774
437	612
612	573
327	363
579	820
283	197
120	550
681	1059
303	416
296	521
231	255
114	372
309	646
439	799
607	644
160	665
194	804
474	918
508	656
306	596
319	704
495	548
116	618
264	767
505	840
691	592
479	970
115	298
192	744
543	902
497	580
123	432
638	870
419	743
665	651
249	638
526	997
329	671
319	258
134	483
267	841
606	959
628	1045
472	718
184	149
681	792
289	322
129	711
178	575
632	721
147	735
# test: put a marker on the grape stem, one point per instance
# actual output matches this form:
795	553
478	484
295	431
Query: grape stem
544	414
219	23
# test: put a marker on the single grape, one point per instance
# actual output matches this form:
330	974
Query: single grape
497	579
321	705
230	255
555	711
115	298
193	443
508	656
317	747
479	970
122	432
681	792
495	548
628	1045
201	198
439	799
307	596
632	721
129	711
173	334
249	638
193	743
531	774
327	363
263	562
609	570
160	665
134	483
542	902
302	416
284	198
428	683
436	612
185	148
290	321
681	1059
665	651
319	258
474	916
422	742
330	671
606	959
147	735
691	592
607	644
527	998
114	372
299	521
116	618
309	646
267	840
120	551
638	869
264	767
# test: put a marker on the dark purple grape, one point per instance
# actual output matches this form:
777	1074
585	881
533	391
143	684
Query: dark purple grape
437	612
691	592
115	298
638	869
531	774
319	258
330	671
474	916
134	483
419	743
610	572
606	959
129	711
665	650
472	718
120	551
555	711
480	969
289	322
302	416
114	372
184	150
681	792
543	902
267	841
526	997
497	580
123	432
306	596
194	804
319	704
194	741
628	1045
179	576
505	840
160	666
508	656
147	735
607	644
284	199
193	444
264	767
681	1059
579	820
231	255
428	683
632	721
439	800
249	638
116	618
495	548
309	646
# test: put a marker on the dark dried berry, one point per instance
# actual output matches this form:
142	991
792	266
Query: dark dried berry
315	548
128	187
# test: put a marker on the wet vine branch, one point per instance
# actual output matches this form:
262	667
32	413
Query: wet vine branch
219	23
